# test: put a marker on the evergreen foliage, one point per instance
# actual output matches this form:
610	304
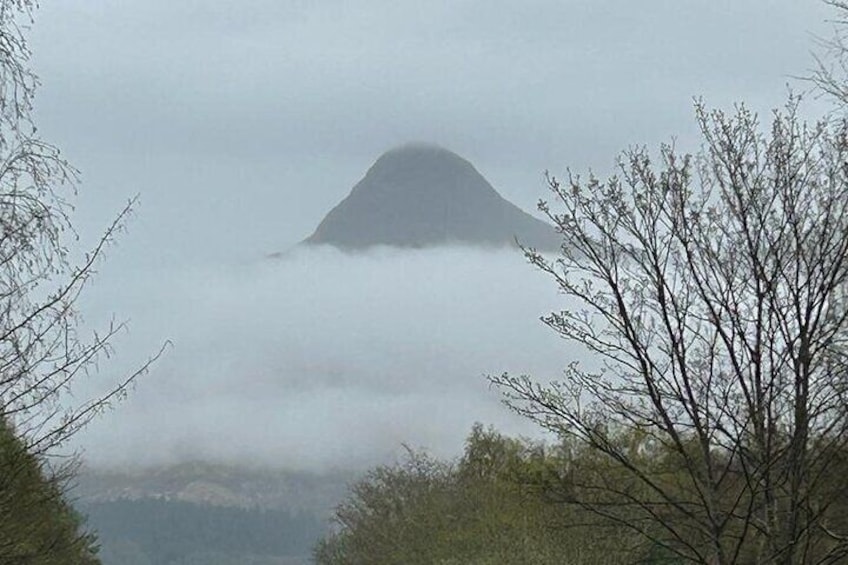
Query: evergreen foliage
37	526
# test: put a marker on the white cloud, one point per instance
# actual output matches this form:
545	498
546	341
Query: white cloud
326	359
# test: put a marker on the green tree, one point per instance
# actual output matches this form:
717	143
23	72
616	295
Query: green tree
37	527
713	291
489	507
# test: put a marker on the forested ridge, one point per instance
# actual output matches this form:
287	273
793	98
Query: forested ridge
171	532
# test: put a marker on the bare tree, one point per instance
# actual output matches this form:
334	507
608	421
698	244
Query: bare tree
830	73
714	289
41	351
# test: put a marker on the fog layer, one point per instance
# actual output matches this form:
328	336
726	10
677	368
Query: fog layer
324	359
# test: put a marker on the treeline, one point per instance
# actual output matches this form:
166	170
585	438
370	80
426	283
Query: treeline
512	500
171	532
505	500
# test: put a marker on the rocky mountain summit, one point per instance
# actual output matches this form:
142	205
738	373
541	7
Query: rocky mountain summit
421	195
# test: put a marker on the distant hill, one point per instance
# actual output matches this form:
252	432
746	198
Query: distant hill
159	531
217	485
206	513
420	195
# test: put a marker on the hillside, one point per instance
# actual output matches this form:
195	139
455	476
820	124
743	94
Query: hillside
206	513
421	195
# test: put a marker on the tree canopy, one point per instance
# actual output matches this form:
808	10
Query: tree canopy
499	503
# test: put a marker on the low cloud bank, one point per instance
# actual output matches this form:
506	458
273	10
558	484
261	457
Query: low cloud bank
322	359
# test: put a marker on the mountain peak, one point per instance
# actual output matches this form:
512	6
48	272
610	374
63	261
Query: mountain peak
420	195
419	148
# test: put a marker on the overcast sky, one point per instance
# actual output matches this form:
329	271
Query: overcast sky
241	124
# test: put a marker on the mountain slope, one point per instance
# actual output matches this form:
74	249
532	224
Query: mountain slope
422	195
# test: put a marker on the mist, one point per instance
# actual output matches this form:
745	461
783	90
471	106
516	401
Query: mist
241	125
322	359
